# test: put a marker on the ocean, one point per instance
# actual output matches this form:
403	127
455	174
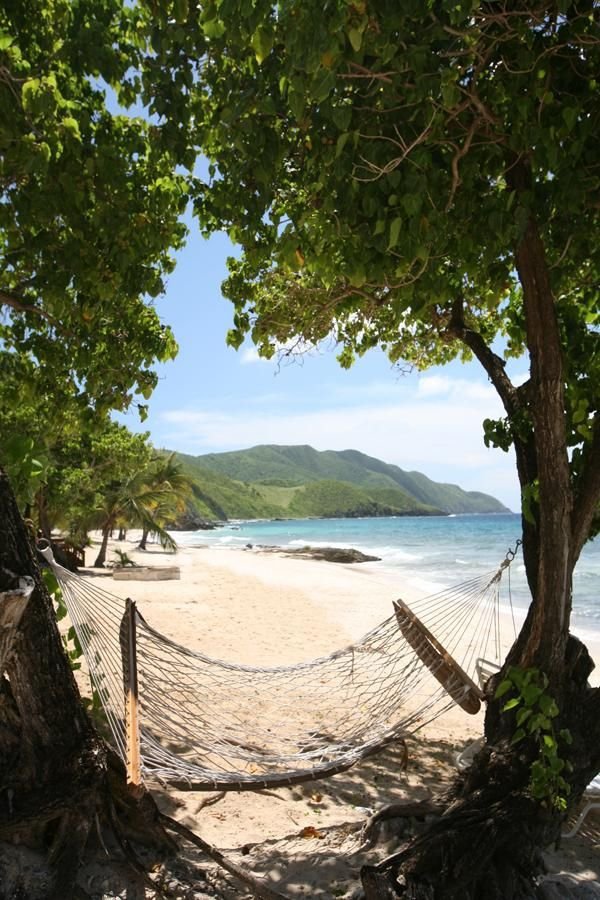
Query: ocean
429	553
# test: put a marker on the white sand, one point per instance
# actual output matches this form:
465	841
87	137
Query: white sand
263	608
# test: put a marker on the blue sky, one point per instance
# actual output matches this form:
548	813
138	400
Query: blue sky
212	398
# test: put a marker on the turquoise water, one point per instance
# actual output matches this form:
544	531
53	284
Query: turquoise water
429	553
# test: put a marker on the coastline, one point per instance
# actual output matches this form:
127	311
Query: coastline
336	603
269	609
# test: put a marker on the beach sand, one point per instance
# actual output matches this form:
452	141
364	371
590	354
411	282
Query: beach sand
267	609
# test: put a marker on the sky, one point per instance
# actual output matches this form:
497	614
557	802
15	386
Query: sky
213	398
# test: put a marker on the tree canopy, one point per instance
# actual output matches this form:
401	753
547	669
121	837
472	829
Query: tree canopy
379	162
420	177
90	206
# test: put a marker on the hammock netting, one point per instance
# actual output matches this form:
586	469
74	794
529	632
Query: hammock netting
209	724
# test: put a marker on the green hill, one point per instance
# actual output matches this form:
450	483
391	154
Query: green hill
297	465
271	481
215	496
332	499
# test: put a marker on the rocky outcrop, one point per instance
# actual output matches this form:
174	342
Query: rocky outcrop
332	554
192	522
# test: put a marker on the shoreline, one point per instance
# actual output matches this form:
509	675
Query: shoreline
310	588
415	584
272	610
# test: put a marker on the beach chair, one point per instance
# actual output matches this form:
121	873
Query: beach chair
591	797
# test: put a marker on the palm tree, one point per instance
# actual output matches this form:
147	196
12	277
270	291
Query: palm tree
135	503
173	487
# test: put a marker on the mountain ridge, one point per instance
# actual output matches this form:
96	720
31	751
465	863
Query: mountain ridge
297	481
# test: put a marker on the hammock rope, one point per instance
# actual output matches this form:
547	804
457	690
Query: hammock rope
209	724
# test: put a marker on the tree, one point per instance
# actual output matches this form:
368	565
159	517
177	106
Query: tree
90	206
425	178
135	503
172	486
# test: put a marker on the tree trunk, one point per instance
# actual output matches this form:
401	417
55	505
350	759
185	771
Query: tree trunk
57	777
52	759
142	543
487	843
101	558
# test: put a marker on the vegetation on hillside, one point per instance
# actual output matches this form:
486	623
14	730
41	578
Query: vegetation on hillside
286	478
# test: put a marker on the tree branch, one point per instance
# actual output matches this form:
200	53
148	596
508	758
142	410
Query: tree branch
587	494
491	362
259	888
18	304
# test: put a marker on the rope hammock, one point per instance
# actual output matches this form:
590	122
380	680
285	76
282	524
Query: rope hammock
181	717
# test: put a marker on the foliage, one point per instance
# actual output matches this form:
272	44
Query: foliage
333	499
123	559
266	466
89	207
73	648
380	164
218	496
536	711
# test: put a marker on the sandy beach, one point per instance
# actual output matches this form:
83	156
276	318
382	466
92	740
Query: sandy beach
267	609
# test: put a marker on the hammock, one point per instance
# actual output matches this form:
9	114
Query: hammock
181	717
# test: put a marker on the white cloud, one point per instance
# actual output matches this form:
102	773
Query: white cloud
455	388
250	355
437	431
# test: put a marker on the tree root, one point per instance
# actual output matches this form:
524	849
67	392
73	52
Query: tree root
477	850
259	889
67	851
128	851
418	810
210	800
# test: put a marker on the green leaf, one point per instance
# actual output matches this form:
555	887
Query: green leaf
72	126
569	114
358	276
510	704
355	38
503	688
297	103
518	736
214	28
548	706
523	715
262	43
181	9
6	40
342	116
341	143
323	84
395	227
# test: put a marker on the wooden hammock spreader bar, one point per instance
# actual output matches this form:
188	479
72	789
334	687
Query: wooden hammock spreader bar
12	607
440	663
130	688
